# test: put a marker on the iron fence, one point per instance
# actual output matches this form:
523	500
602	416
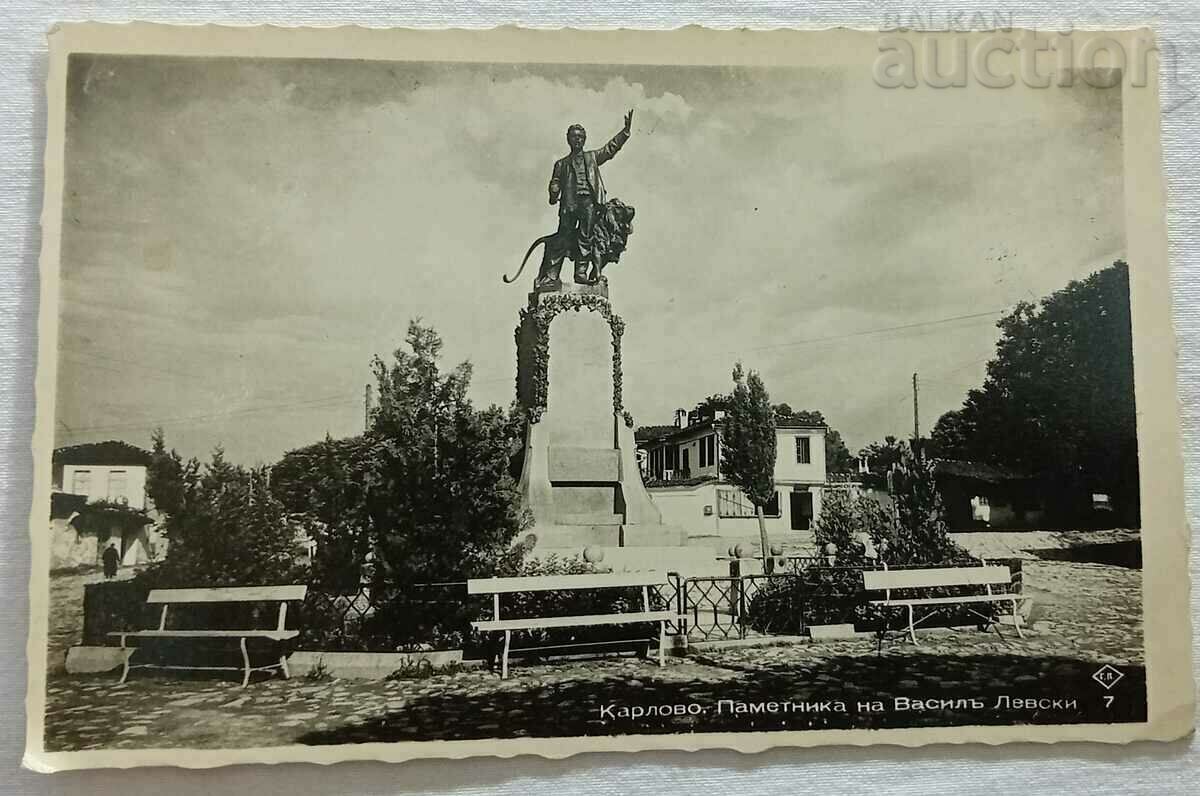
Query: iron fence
785	601
374	619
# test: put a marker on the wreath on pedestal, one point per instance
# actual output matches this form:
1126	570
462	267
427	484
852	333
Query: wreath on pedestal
540	316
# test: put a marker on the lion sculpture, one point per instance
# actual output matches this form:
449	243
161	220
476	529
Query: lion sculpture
613	228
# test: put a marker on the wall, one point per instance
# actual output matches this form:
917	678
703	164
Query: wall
684	506
135	482
692	446
786	467
72	547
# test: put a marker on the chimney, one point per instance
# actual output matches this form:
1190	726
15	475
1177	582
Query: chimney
681	418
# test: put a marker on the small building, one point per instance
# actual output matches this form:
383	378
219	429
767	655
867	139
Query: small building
682	472
976	495
98	499
981	495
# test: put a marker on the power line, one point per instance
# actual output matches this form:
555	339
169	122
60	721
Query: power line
90	355
808	341
878	331
314	403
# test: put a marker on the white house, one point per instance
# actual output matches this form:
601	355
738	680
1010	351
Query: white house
682	471
98	498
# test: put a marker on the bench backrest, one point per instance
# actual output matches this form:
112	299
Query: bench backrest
229	594
614	580
888	579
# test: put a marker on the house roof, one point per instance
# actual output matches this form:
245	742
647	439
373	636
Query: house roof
112	452
648	433
663	433
798	424
977	471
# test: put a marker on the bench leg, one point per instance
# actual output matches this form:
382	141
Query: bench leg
662	643
504	657
127	653
912	630
245	662
283	667
1017	620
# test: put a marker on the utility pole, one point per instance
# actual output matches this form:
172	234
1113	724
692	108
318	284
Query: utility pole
916	412
366	407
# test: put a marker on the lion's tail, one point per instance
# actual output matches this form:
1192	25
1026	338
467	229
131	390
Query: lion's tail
508	280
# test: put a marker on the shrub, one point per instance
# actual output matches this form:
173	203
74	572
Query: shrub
846	519
423	669
387	620
113	605
318	673
788	604
920	536
522	605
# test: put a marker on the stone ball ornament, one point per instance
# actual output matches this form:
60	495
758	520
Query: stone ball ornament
593	554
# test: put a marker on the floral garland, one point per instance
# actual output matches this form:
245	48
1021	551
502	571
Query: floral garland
539	318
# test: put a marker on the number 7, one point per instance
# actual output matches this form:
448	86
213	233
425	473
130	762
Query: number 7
1108	700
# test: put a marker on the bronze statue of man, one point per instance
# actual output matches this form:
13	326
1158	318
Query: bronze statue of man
578	190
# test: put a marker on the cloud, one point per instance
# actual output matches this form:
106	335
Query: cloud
269	225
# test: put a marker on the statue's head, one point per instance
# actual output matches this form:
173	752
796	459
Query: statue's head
576	137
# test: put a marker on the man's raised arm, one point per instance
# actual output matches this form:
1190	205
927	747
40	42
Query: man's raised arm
606	152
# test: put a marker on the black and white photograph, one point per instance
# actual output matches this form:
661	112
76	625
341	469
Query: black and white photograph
666	398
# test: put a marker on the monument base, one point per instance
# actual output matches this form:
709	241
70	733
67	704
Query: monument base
579	475
578	537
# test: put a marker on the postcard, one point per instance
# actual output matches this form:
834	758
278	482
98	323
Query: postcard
437	394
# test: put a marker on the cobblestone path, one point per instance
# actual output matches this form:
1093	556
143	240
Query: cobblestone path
1085	614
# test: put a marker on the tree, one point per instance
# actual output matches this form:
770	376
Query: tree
748	446
224	526
445	506
168	477
920	534
837	455
717	402
881	457
324	487
1058	399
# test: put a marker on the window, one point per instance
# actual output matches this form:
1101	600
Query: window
734	503
118	485
708	451
687	467
803	450
81	482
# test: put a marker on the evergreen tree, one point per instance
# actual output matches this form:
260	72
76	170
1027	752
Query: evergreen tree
748	446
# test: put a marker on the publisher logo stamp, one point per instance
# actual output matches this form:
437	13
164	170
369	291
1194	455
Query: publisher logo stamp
1107	676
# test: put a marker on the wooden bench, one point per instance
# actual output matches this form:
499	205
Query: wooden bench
242	594
986	575
498	586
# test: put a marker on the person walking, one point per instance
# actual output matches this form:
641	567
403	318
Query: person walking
111	558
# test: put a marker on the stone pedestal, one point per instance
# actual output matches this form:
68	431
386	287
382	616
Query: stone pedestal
579	475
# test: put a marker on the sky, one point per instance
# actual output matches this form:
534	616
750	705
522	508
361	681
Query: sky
241	236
